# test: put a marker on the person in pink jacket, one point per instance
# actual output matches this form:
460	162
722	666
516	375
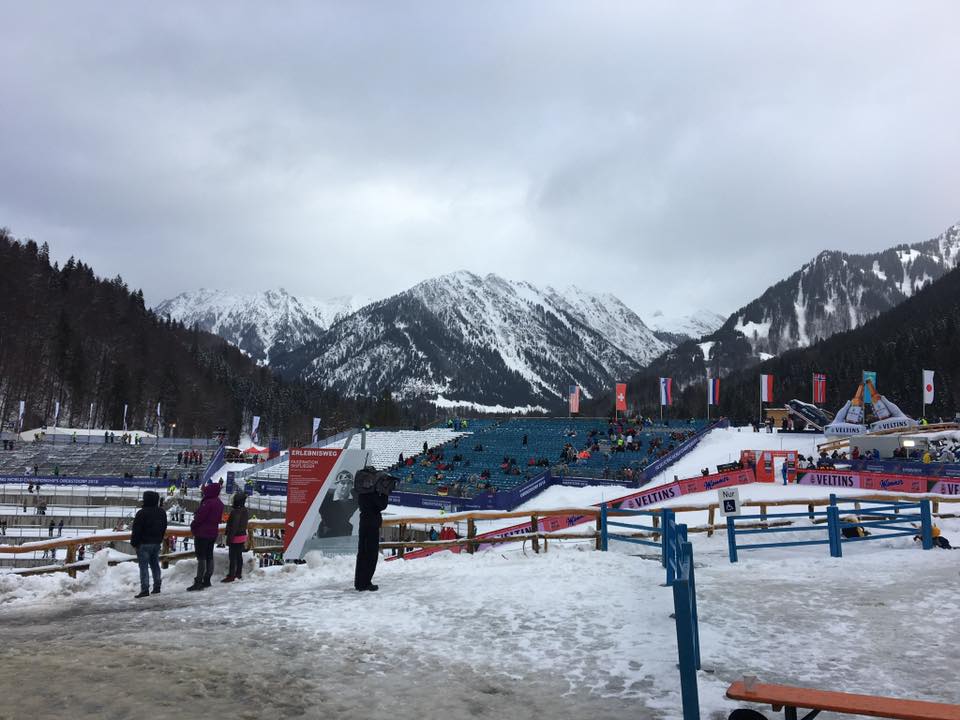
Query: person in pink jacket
204	527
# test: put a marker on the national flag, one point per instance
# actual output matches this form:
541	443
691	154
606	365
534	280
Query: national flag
927	387
316	430
574	398
124	418
819	388
621	396
254	427
713	391
666	391
766	388
23	406
56	412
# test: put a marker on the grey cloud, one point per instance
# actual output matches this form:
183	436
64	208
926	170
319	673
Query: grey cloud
679	157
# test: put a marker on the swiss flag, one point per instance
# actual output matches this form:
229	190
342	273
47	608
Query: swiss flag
622	396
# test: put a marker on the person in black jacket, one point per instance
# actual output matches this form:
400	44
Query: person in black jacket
149	527
368	547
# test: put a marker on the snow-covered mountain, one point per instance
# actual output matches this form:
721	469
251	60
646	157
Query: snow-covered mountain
832	293
675	329
261	324
481	339
838	291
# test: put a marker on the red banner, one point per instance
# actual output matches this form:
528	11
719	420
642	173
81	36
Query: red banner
622	396
309	468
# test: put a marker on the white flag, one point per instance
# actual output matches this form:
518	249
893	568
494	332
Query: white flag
158	411
124	418
316	429
927	387
56	413
254	428
23	405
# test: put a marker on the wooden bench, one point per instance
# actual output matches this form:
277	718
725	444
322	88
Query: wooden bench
791	698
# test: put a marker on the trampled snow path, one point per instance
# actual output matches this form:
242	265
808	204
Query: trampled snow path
573	633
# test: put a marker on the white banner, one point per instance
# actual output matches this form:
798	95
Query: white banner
316	429
254	427
23	405
56	413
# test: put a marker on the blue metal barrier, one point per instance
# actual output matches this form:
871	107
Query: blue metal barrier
893	516
668	534
688	630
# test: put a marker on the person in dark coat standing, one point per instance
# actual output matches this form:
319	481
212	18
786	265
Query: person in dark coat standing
368	547
236	536
149	527
206	522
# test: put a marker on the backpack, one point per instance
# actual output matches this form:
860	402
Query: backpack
369	480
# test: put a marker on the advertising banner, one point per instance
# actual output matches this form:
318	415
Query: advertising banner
320	498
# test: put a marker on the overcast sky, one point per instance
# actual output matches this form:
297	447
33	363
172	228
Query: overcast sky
680	155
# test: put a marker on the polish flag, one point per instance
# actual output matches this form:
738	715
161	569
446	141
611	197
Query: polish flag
622	396
766	388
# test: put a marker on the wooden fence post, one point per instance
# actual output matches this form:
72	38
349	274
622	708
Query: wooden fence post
656	524
471	533
810	510
402	537
710	519
71	558
535	542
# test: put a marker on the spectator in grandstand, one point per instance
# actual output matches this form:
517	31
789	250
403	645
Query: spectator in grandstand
236	535
146	536
434	535
205	530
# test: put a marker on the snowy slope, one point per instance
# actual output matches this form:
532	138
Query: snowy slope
838	291
485	340
259	323
692	326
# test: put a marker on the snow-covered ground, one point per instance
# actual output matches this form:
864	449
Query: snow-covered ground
570	633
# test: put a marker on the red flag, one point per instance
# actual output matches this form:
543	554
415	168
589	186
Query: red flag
622	396
766	388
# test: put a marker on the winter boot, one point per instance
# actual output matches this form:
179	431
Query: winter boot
228	578
156	590
143	594
197	585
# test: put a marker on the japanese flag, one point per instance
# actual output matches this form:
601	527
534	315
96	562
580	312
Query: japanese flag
927	387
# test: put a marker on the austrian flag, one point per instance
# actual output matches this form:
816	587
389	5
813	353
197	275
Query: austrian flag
766	388
666	391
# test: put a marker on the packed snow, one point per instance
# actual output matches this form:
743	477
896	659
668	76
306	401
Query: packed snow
570	633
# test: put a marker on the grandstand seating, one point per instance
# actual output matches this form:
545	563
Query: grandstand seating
546	440
95	460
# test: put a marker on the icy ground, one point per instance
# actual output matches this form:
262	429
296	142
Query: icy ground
572	633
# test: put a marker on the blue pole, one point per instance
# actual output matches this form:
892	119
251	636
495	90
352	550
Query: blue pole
667	540
833	530
685	651
732	538
926	525
688	552
603	526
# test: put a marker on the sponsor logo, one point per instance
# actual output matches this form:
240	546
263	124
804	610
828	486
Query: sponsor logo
830	480
713	483
890	483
